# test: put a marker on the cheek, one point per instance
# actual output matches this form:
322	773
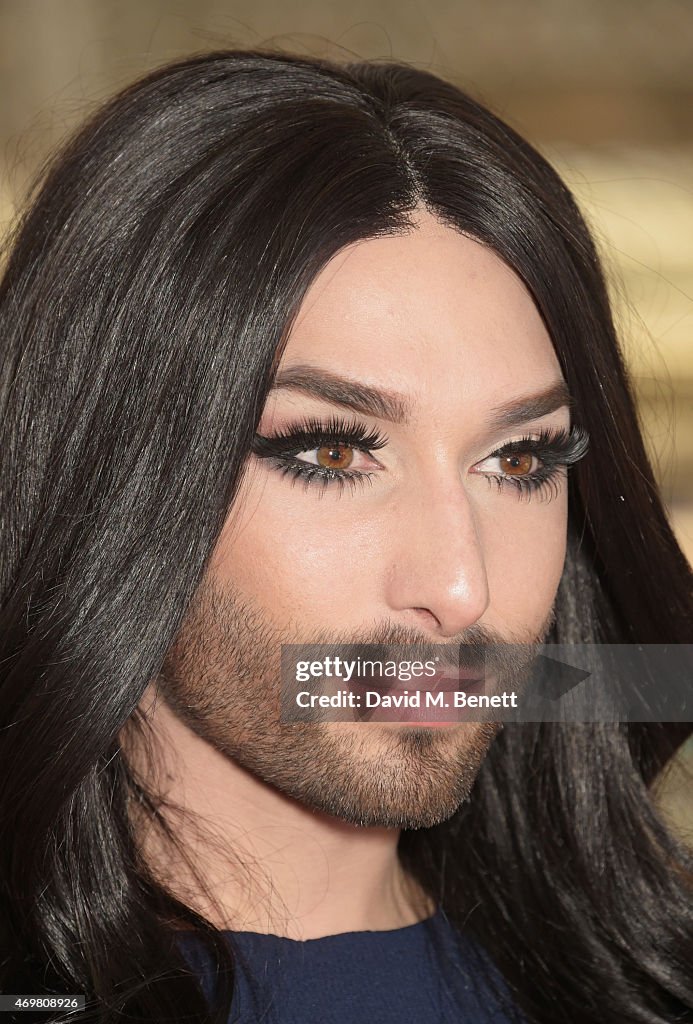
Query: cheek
301	558
524	547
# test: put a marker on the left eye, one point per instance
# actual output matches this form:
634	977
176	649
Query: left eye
510	464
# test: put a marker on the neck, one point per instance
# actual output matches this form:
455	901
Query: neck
249	858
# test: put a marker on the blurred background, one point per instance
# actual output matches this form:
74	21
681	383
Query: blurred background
604	88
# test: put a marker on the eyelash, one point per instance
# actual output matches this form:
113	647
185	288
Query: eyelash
556	449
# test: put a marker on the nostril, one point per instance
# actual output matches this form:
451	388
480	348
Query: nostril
428	617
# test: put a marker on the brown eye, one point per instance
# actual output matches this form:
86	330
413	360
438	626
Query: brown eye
516	464
338	456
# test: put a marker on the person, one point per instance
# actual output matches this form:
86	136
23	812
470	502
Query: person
301	352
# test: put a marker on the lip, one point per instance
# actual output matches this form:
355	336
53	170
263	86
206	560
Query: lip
450	682
446	682
423	716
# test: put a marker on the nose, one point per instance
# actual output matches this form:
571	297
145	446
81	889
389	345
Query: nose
437	578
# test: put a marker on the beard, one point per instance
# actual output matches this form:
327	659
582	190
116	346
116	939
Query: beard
222	678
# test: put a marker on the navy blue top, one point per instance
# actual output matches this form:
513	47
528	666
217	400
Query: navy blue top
422	973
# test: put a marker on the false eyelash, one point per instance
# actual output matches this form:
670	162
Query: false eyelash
322	476
554	445
545	482
314	433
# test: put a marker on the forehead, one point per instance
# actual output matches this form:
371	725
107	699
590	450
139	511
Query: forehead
432	313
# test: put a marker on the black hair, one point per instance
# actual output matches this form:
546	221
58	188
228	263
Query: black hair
149	290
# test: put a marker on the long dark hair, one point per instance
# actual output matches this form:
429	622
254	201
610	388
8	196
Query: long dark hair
147	294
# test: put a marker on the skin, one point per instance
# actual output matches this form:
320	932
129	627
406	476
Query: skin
303	820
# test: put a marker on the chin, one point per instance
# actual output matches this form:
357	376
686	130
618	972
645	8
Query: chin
391	776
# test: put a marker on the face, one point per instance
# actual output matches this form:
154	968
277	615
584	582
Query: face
378	506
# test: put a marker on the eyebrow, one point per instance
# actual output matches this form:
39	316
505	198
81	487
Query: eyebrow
388	405
531	407
319	383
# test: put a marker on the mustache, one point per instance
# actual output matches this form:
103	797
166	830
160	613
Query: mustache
478	649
